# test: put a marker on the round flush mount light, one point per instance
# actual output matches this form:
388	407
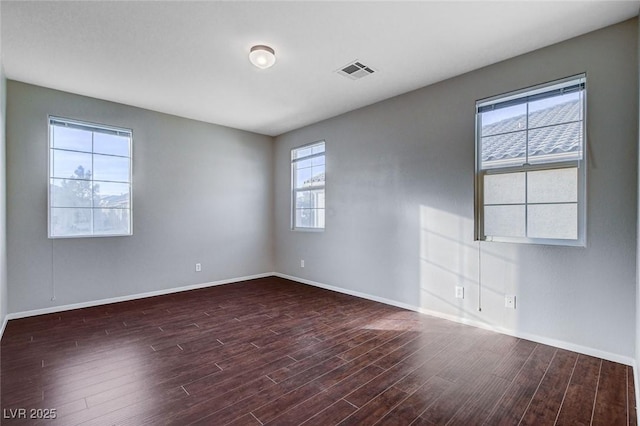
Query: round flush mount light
262	56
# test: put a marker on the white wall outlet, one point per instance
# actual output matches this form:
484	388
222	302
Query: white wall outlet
301	263
510	301
198	267
459	292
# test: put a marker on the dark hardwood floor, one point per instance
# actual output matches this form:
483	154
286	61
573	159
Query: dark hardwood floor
271	351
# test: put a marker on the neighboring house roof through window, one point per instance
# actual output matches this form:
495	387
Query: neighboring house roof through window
551	138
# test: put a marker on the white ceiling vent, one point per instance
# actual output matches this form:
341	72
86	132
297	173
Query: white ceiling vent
355	70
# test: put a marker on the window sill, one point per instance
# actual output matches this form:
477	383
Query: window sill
580	243
308	229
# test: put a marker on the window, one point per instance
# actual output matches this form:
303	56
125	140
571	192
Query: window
530	165
307	181
89	179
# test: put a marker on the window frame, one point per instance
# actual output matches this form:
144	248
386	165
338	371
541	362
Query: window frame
88	125
580	165
294	190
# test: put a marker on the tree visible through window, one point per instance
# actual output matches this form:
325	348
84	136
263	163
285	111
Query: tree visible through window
530	166
89	179
308	177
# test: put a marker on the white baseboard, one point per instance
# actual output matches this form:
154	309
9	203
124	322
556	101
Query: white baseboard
522	335
61	308
347	291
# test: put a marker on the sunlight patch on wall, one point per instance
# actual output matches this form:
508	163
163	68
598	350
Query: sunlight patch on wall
450	258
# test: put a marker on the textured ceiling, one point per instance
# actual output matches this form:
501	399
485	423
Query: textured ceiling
191	58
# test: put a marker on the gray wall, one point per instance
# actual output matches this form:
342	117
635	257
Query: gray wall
637	335
201	193
400	196
3	197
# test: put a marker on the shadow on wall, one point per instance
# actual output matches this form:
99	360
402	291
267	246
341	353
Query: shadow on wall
450	258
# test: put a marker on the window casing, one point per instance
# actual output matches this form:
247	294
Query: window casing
308	187
89	180
531	165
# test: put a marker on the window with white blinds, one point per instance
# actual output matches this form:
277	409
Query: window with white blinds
530	165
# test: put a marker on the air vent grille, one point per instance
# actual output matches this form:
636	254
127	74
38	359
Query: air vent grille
355	70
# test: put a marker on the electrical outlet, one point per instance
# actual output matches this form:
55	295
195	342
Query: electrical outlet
510	301
198	267
459	292
302	263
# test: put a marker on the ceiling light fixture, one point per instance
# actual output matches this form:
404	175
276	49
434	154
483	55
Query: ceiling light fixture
262	56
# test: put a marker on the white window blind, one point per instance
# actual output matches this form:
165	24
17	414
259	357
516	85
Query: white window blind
530	165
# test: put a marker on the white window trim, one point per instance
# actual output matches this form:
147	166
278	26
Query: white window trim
294	190
49	148
581	166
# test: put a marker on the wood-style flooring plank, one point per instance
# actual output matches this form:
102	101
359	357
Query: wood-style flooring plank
631	398
331	415
579	399
410	409
376	409
518	396
546	402
611	400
